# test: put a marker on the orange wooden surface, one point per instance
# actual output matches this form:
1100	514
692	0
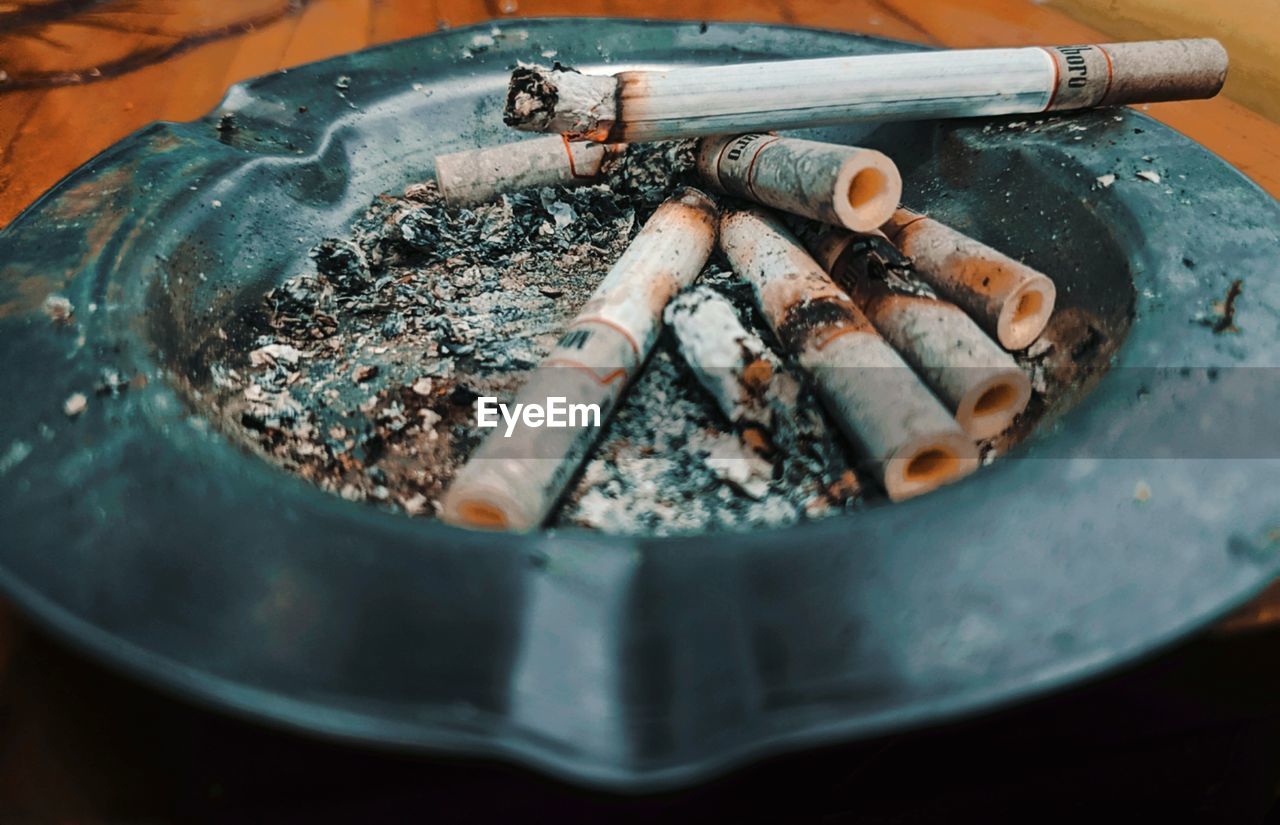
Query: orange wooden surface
74	86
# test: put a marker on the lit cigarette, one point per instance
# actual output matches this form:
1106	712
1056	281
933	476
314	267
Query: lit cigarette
842	185
1010	300
480	175
513	481
736	368
758	97
911	439
979	381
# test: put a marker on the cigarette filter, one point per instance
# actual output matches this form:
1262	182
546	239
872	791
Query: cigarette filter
749	97
737	369
479	175
979	381
910	439
1010	300
513	481
842	185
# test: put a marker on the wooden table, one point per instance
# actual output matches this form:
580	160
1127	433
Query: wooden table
78	75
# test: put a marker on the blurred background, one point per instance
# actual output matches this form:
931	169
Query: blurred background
1192	736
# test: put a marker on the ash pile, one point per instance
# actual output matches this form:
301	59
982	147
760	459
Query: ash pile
836	348
365	369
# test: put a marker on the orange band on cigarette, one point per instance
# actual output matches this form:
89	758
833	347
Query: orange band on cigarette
573	171
749	178
897	233
604	380
1057	74
751	167
611	325
838	334
1053	95
1111	73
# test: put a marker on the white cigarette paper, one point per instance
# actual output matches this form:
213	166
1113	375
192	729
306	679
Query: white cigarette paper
513	481
980	382
742	375
909	438
1009	299
480	175
751	97
842	185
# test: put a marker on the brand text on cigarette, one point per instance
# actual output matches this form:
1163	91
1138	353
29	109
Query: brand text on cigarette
557	413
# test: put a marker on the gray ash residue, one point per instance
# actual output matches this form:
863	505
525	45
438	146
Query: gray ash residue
669	462
364	370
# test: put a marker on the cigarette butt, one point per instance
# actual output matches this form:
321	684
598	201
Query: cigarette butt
480	175
911	441
970	373
788	94
514	478
842	185
737	369
1010	300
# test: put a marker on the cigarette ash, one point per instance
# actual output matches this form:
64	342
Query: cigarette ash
361	373
670	462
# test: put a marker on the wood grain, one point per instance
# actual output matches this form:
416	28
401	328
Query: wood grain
79	83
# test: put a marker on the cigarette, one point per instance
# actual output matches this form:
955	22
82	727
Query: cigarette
759	97
480	175
911	441
512	481
979	381
1009	299
842	185
744	378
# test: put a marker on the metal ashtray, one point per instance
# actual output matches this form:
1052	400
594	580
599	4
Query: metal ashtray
144	536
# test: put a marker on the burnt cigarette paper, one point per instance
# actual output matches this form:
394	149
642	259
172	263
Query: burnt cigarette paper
908	437
979	381
744	378
518	473
1009	299
749	97
842	185
480	175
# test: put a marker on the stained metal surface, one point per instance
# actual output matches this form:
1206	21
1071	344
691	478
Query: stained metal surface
144	537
